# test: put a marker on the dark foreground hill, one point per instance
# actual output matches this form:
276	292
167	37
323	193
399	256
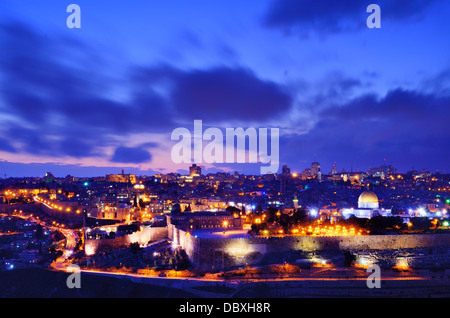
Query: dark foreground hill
41	283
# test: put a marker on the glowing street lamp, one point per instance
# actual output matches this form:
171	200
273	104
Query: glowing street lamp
422	212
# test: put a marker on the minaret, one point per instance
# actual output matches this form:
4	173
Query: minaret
295	202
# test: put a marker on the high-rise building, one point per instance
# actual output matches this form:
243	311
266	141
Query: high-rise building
334	169
295	202
315	168
195	171
306	174
286	172
382	171
48	178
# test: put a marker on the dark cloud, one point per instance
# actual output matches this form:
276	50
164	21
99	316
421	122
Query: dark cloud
220	94
329	16
6	146
77	148
405	127
40	142
439	83
224	94
131	155
335	87
58	91
398	106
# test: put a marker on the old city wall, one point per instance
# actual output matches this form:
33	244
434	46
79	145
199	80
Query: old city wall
148	234
375	242
72	217
9	208
221	253
217	253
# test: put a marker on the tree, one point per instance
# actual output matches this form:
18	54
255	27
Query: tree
259	209
358	222
349	258
257	228
300	216
284	220
271	214
176	209
421	223
232	209
39	232
135	248
379	224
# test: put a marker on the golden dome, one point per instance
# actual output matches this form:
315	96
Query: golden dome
368	197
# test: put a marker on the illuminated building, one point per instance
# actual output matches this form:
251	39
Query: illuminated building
315	169
286	172
204	220
334	170
121	178
368	207
295	202
48	178
307	174
382	171
195	171
111	211
368	200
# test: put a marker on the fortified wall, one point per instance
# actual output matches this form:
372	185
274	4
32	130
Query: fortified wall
145	235
62	214
9	208
222	253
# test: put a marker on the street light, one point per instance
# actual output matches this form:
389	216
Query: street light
313	212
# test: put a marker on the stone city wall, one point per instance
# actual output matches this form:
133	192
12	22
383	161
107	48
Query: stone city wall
27	208
147	234
219	253
69	216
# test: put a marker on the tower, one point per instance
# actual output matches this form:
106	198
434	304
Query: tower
195	171
315	168
334	170
295	202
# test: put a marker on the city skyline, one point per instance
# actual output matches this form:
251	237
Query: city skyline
106	97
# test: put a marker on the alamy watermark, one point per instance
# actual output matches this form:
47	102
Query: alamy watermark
74	19
74	280
374	279
191	149
374	19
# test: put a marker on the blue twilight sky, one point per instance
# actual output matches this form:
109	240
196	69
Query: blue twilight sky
107	97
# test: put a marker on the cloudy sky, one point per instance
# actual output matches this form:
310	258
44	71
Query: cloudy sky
107	97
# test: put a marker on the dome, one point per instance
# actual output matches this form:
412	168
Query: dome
368	200
368	197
